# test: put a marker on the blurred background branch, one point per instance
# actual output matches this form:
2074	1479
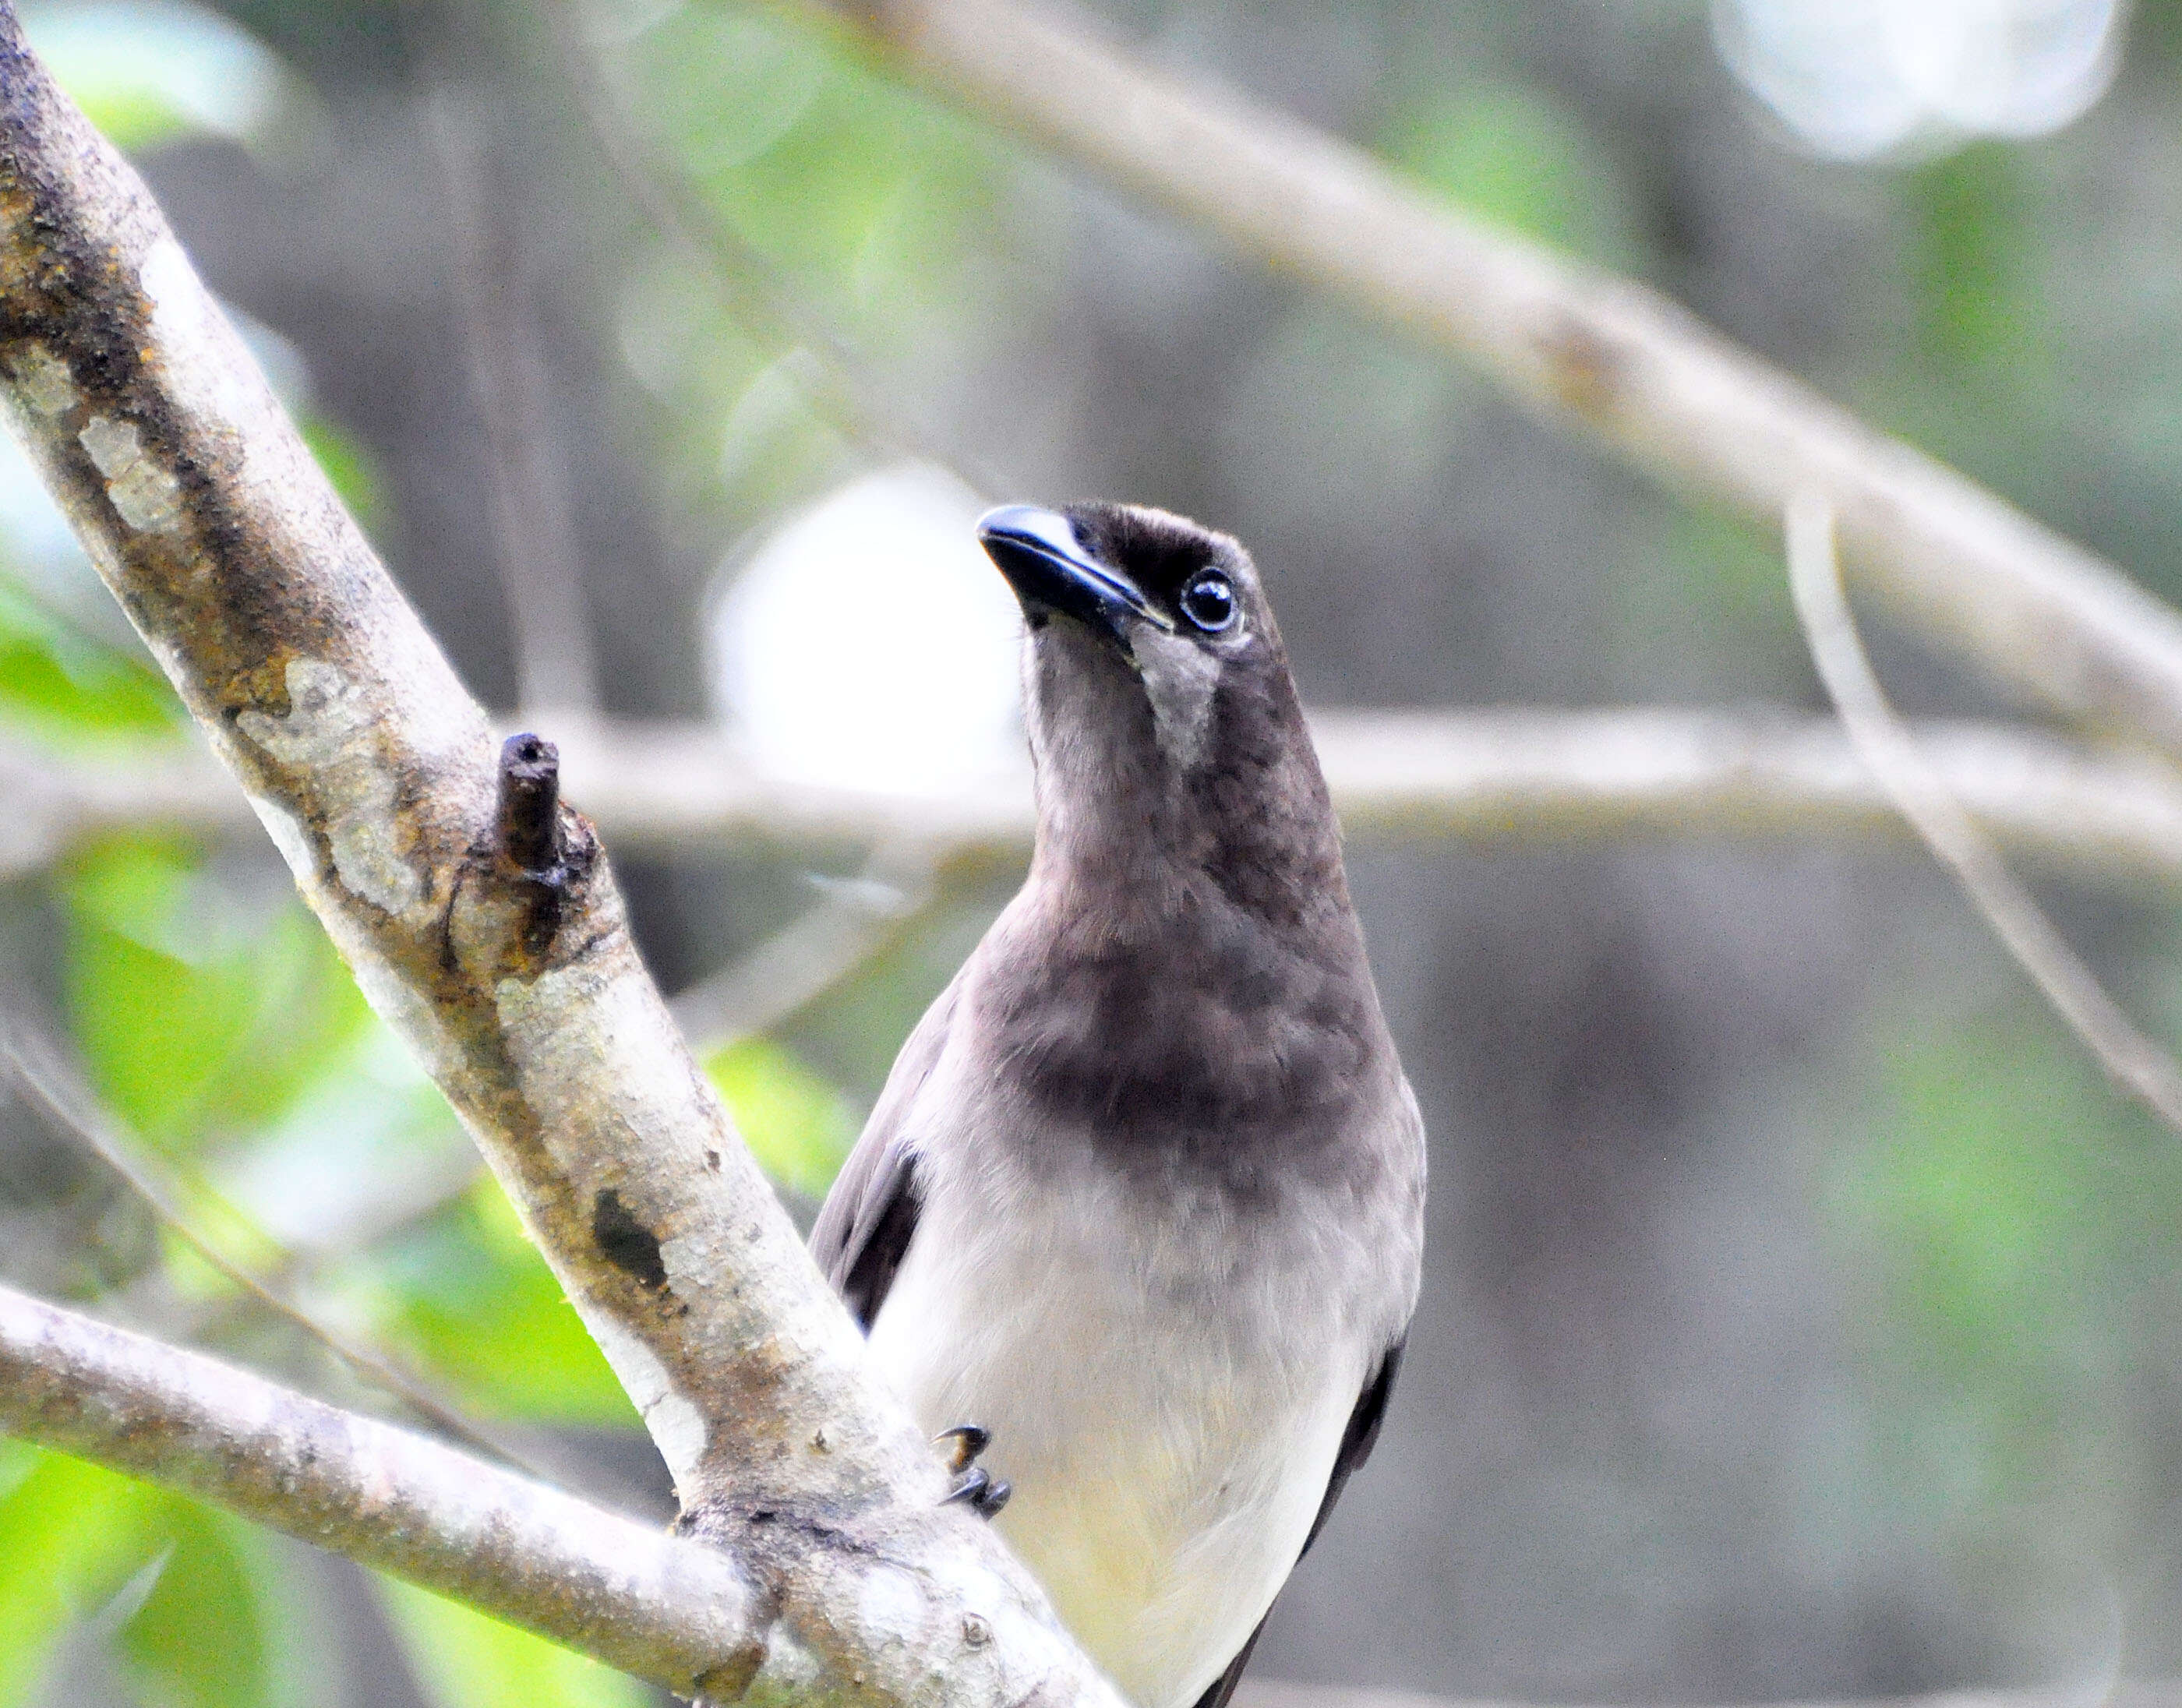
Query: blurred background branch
528	494
2042	615
1521	776
36	1065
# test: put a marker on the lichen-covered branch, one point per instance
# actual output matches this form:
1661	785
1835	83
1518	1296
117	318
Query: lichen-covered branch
1518	774
684	1616
481	919
1643	374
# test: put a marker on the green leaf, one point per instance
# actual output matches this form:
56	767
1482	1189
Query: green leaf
205	1005
466	1295
217	1629
798	1127
464	1660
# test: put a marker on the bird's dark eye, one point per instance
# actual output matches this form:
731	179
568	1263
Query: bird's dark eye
1209	601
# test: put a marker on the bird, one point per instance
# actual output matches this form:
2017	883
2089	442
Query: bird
1138	1214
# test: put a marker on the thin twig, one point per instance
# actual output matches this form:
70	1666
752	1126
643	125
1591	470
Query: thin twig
851	926
2134	1061
43	1074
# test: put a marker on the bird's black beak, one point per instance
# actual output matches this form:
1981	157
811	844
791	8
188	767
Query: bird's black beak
1048	566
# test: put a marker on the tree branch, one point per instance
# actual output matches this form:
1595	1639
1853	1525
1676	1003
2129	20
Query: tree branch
681	1615
1640	371
1520	775
526	483
481	919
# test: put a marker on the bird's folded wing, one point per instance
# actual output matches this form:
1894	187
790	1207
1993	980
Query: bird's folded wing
869	1215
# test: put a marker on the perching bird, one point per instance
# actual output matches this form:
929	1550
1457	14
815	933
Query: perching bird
1144	1195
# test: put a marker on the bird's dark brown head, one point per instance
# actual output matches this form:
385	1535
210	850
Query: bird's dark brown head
1162	717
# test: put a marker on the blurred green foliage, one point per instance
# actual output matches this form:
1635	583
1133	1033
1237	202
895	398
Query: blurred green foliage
883	213
1974	292
465	1294
1509	153
62	687
2017	1229
144	79
204	1010
463	1660
195	1608
797	1126
349	464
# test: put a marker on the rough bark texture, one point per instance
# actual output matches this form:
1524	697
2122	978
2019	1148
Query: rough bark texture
673	1612
1639	371
493	941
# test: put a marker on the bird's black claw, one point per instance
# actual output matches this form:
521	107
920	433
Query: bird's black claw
970	1440
979	1492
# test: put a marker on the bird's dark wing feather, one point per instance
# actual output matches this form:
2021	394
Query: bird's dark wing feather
1357	1442
870	1216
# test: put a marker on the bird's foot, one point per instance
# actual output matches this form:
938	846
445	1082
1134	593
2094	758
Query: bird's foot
980	1493
969	1440
976	1487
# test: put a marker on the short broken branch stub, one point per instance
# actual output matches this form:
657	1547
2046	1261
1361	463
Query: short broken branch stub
545	849
529	805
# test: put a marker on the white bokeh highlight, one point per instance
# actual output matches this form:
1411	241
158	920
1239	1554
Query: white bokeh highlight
871	644
207	72
1856	80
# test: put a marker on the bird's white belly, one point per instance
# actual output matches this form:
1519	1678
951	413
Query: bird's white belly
1167	1463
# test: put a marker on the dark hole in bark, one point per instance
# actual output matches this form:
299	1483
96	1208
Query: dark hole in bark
628	1243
